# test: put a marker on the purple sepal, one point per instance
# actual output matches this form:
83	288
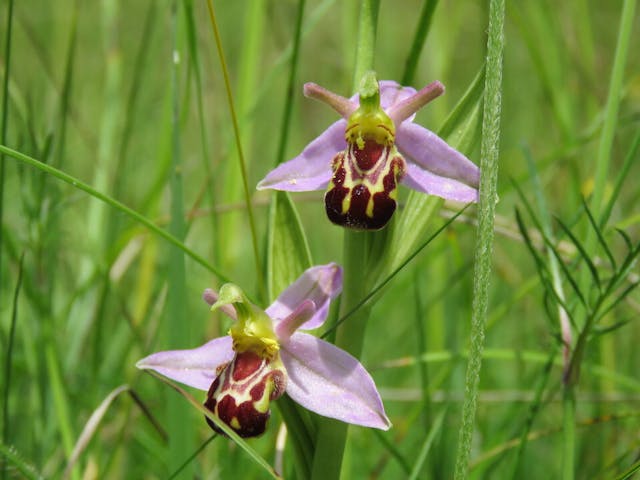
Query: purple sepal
330	382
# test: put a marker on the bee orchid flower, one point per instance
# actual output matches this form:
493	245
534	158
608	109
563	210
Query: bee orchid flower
360	159
265	356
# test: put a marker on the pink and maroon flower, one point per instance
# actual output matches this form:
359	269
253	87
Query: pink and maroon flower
360	159
265	356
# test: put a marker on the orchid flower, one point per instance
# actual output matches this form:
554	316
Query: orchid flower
264	355
374	146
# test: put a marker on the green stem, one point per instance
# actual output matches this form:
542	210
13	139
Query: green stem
366	39
5	113
332	434
603	159
569	433
486	212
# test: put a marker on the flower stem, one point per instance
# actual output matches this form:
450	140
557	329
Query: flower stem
332	434
366	39
484	244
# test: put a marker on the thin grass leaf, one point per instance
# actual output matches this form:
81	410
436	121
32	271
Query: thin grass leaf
546	277
14	459
180	469
392	448
623	175
630	472
426	446
569	276
598	231
422	30
532	413
91	427
462	130
5	115
423	373
113	203
626	238
374	291
302	432
288	250
624	271
614	97
583	253
177	326
255	456
243	168
130	104
600	330
8	361
617	300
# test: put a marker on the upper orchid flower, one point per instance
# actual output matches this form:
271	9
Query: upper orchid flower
360	159
263	356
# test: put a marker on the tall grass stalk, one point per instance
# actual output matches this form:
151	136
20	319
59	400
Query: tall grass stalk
489	155
5	113
177	326
243	168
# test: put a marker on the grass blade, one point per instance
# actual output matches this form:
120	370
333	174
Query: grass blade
484	244
426	446
255	456
80	185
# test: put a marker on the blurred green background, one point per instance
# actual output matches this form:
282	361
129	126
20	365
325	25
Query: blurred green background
122	95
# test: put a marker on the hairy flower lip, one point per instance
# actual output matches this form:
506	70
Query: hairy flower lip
321	377
434	167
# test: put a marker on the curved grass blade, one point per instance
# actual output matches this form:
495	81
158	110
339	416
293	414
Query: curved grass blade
192	457
255	456
426	446
80	185
583	252
8	363
91	427
243	166
374	291
424	24
598	229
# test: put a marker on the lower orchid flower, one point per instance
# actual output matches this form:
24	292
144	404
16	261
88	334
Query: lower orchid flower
265	356
360	159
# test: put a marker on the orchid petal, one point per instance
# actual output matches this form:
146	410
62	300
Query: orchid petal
427	182
319	284
287	326
195	367
343	106
434	154
311	170
330	382
407	108
392	93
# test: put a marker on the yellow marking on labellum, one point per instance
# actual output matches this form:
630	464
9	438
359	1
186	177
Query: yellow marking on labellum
235	424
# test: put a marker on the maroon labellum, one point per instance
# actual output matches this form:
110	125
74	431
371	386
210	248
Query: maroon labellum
241	394
362	192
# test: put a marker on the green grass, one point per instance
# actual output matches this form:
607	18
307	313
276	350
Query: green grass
123	175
